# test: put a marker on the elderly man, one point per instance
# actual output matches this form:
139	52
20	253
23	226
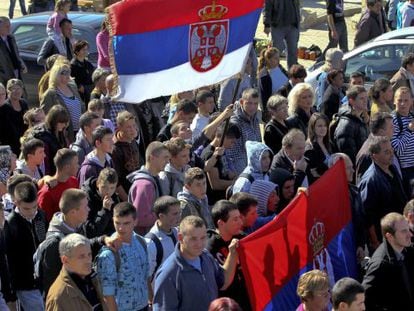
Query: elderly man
76	287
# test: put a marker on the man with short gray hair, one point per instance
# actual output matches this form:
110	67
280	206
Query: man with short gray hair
76	287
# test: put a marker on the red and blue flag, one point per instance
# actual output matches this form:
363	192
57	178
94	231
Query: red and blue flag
161	47
313	232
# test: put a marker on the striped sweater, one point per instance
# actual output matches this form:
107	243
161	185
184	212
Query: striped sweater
403	141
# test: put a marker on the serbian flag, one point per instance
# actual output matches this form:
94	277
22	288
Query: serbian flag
161	47
313	232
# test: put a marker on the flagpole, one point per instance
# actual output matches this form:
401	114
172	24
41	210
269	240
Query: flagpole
226	126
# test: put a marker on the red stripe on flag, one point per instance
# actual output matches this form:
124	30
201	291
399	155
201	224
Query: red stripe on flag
138	16
271	256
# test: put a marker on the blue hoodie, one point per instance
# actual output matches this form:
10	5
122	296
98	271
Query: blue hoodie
255	152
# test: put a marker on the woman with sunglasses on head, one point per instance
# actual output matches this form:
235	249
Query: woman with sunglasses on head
62	91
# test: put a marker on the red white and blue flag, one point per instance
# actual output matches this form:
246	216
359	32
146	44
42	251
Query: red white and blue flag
161	47
313	232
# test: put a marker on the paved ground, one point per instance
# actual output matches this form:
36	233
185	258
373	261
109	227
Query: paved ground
314	27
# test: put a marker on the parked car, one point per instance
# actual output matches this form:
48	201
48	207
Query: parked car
30	33
378	58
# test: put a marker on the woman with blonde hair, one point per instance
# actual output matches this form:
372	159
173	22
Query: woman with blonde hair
300	102
313	291
62	92
271	75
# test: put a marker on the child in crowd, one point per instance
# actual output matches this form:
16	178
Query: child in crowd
267	195
259	159
62	7
193	198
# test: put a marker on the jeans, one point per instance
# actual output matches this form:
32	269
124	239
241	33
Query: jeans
3	305
13	4
290	36
30	299
342	38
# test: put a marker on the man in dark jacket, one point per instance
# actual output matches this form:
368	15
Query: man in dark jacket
11	65
49	48
296	74
352	131
25	229
371	24
389	281
291	157
381	188
101	200
282	19
380	125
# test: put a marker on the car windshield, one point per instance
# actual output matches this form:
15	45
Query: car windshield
30	37
378	62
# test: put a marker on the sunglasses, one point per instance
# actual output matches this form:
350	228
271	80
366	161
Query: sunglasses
65	73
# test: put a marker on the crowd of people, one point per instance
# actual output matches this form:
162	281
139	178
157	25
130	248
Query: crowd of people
109	205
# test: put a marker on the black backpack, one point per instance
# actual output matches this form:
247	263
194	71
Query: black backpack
160	251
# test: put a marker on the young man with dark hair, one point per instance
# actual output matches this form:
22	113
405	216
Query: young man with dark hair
186	111
25	229
381	188
101	200
193	198
66	162
124	279
222	174
162	237
297	74
83	144
348	295
33	153
100	156
401	77
388	281
228	223
247	205
380	125
191	278
146	187
205	107
351	130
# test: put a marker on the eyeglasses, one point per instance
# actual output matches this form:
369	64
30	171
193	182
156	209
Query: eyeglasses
65	72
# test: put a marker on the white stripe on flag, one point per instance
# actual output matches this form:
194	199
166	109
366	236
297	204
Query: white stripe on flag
137	88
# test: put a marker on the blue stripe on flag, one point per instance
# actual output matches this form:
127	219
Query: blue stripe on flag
167	48
342	253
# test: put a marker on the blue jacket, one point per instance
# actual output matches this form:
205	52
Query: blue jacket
180	286
378	197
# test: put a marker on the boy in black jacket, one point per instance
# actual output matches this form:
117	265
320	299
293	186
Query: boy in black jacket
24	230
101	201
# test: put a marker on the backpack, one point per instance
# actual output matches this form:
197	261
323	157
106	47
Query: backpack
118	258
160	251
229	190
39	255
143	174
